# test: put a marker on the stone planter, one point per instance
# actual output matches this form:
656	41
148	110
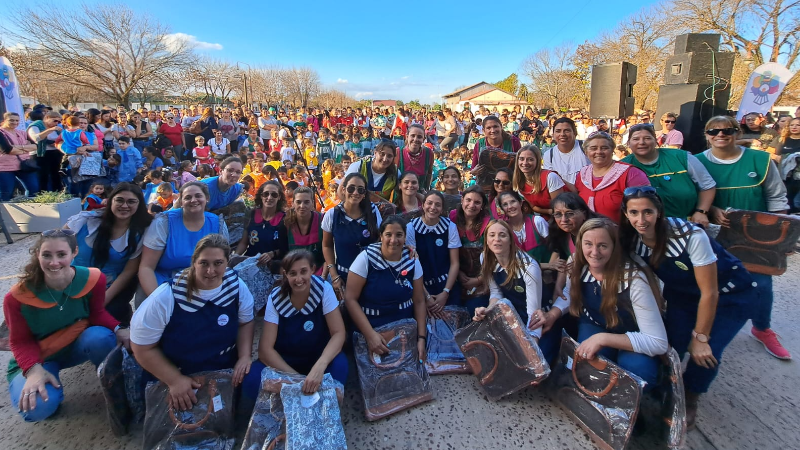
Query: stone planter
38	217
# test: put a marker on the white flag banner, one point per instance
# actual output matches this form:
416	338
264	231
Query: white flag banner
764	87
10	90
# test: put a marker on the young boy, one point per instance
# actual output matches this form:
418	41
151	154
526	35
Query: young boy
324	145
355	145
366	142
289	189
131	159
72	137
164	199
339	149
113	164
311	156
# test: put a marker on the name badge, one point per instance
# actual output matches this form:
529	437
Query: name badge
222	320
519	289
752	174
681	265
308	326
439	242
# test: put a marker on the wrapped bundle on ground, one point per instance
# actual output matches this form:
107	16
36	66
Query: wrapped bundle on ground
444	354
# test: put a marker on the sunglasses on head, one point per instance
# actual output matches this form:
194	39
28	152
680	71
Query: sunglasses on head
360	189
636	191
725	131
502	182
58	232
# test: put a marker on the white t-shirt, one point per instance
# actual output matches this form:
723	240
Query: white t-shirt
288	153
187	121
532	276
155	238
361	266
554	182
327	219
264	121
542	227
356	168
92	221
453	240
217	148
151	318
329	303
568	165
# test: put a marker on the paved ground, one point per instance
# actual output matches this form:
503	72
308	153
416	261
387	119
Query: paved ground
752	405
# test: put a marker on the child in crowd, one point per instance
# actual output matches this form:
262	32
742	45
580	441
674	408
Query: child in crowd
289	189
241	138
620	152
346	161
301	175
205	171
72	137
201	152
311	155
288	151
168	155
96	198
366	142
257	176
398	138
376	137
131	159
217	162
324	145
326	171
184	174
112	165
164	199
275	160
283	174
339	149
332	199
525	138
152	180
289	168
474	135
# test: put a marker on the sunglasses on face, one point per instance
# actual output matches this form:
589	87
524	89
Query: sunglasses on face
502	182
725	131
669	121
360	189
636	190
270	194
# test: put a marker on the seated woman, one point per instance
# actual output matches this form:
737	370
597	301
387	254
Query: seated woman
202	321
530	231
56	320
437	242
513	275
266	232
170	240
303	327
304	226
600	184
617	301
225	188
379	170
709	293
501	183
111	240
352	225
385	285
538	186
471	218
408	199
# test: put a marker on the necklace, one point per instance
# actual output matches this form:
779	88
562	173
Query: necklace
393	271
66	297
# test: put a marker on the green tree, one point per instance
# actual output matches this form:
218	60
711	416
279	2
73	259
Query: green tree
414	104
436	107
509	84
399	103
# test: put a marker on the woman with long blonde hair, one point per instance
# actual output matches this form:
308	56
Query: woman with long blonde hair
538	186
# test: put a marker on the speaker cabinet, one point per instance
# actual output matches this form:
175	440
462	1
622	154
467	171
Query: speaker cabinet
612	90
697	42
698	67
693	108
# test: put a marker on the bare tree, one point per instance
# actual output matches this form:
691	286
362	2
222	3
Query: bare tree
552	75
105	48
330	98
301	84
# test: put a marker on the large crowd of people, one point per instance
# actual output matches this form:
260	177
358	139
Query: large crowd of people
578	233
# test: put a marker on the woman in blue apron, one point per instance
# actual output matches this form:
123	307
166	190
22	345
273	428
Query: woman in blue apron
170	240
111	240
304	226
708	291
352	225
436	241
471	218
617	301
385	285
513	275
203	321
266	232
303	327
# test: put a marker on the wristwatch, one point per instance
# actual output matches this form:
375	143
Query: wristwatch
703	211
700	337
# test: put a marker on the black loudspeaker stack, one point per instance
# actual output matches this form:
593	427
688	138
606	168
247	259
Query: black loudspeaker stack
612	90
696	86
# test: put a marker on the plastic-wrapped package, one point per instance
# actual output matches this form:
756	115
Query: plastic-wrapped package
600	396
267	427
760	240
112	383
134	389
207	426
444	354
236	218
674	399
451	202
501	353
258	279
4	344
397	380
312	421
492	159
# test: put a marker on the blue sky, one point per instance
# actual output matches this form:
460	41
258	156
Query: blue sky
381	50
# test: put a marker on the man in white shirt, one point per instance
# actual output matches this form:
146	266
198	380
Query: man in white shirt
267	124
567	157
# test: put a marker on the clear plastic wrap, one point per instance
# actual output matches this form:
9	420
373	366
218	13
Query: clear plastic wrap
674	399
134	388
444	354
267	427
501	353
207	426
258	279
4	344
760	240
112	383
397	380
599	395
312	421
236	218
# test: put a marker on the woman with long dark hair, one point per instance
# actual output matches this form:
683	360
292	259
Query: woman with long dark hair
111	239
501	183
304	226
266	231
471	218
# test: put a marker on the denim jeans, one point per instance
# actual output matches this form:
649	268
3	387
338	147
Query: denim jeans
8	181
141	144
646	367
762	309
252	381
94	344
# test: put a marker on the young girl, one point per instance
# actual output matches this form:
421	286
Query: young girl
202	153
398	137
311	155
366	142
332	199
327	171
169	158
204	171
164	199
152	180
96	198
339	149
301	176
355	145
184	174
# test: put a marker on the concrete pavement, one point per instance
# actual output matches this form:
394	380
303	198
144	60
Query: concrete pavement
752	405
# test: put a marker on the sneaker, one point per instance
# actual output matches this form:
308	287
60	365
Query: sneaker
771	344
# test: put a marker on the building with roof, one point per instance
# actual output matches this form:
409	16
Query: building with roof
482	94
386	103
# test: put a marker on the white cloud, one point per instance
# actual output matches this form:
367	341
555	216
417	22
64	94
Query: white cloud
341	81
172	39
405	77
360	95
434	96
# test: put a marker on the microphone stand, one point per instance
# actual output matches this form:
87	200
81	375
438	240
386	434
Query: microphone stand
311	176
